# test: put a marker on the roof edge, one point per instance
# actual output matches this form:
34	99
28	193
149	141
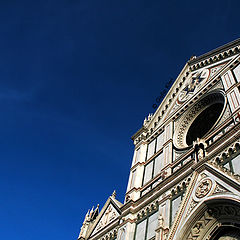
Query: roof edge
215	51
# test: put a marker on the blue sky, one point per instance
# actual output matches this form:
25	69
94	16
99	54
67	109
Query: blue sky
77	79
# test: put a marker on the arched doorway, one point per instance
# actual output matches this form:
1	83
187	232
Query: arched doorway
217	219
227	233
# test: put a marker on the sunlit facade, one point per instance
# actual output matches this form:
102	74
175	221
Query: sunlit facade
184	180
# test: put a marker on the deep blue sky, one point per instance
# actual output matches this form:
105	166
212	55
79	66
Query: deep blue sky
77	79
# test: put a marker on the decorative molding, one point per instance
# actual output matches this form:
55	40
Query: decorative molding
217	55
215	69
219	189
199	226
193	204
183	124
213	217
203	188
109	215
110	235
182	185
192	85
148	209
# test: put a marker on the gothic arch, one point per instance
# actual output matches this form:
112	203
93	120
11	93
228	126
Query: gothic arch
211	219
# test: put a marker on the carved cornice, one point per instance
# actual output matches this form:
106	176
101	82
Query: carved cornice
215	55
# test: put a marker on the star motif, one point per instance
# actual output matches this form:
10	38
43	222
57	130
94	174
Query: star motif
196	80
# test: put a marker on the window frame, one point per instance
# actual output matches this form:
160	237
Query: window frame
155	146
171	217
147	221
229	160
153	169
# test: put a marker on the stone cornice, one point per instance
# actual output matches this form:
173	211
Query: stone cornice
215	55
139	135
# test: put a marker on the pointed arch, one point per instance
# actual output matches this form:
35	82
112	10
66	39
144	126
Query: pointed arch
212	218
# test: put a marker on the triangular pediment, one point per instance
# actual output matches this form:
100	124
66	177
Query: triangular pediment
110	212
208	185
187	85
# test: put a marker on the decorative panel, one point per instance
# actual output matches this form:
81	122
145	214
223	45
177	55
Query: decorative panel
158	164
137	155
133	178
148	172
160	140
152	225
236	72
175	205
236	164
228	80
151	148
234	98
141	230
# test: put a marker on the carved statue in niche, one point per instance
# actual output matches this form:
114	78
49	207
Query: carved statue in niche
200	149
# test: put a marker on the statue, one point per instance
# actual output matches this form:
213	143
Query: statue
200	149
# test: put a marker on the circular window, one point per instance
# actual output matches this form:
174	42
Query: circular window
204	122
199	120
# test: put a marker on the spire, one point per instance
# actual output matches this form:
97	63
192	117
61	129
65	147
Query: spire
85	225
147	119
114	194
87	216
95	214
91	212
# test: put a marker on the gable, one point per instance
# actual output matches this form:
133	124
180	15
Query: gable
193	84
107	215
187	85
207	186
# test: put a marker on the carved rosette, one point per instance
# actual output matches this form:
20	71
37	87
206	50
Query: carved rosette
203	188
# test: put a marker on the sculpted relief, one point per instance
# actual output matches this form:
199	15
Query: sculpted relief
109	215
203	188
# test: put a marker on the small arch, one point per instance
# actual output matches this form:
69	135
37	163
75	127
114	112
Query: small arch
236	50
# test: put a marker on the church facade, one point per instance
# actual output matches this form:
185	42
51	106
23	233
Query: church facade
184	181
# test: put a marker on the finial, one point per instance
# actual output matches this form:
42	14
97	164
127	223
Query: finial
193	57
97	209
114	194
87	215
145	121
91	212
